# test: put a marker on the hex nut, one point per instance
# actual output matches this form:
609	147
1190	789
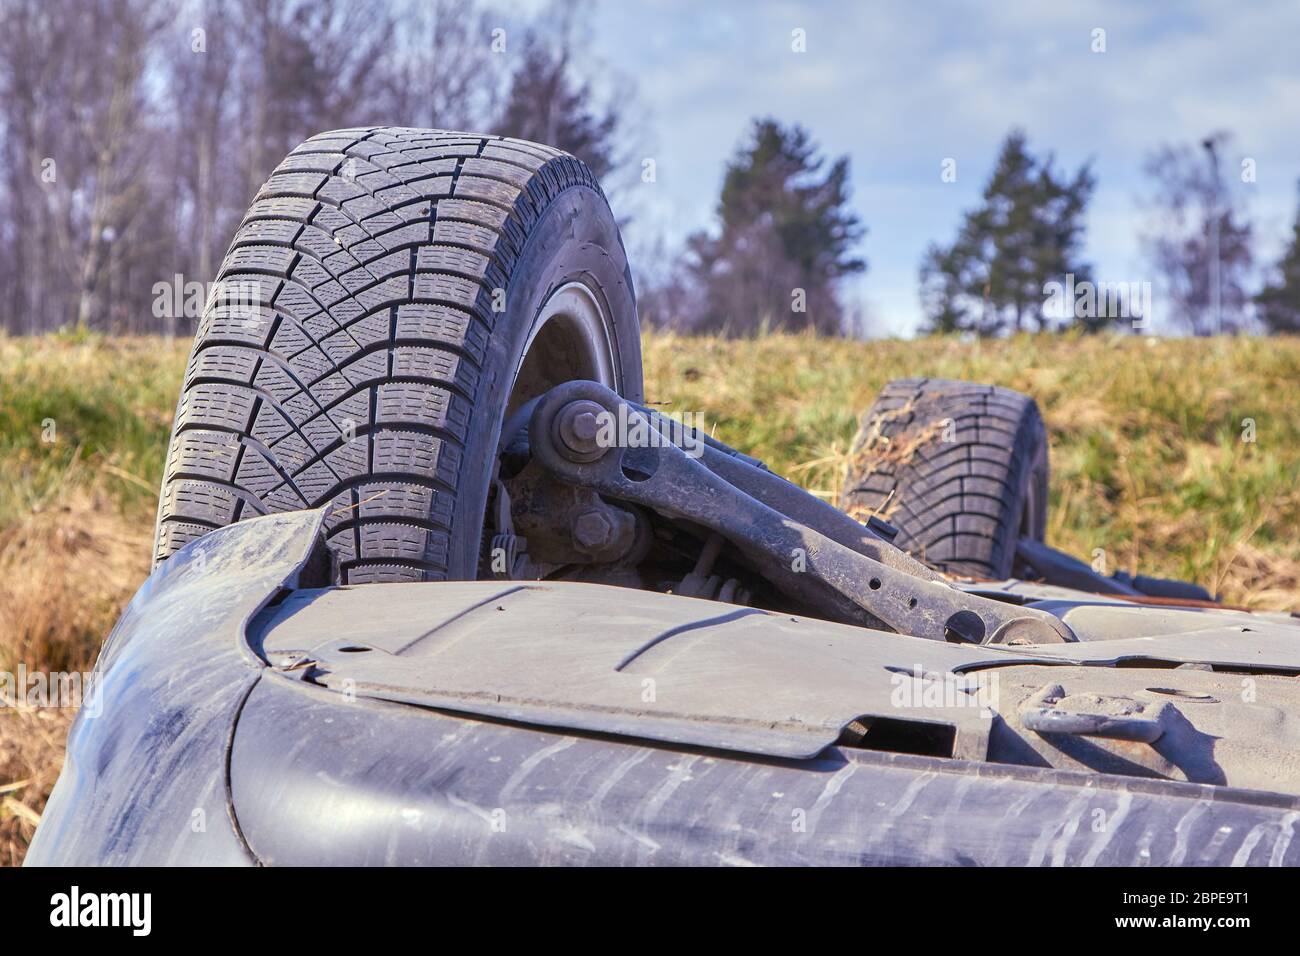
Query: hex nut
577	428
592	531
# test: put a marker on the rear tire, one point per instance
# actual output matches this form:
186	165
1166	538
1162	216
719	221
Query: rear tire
961	469
389	297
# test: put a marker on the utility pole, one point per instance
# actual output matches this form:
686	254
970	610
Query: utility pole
1216	300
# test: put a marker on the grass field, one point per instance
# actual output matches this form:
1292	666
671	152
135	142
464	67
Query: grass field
1179	458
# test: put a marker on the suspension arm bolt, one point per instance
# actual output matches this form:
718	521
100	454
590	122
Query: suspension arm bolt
576	431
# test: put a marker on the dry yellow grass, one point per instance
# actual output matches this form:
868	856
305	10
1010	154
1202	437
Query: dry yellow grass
66	571
82	423
1148	457
31	755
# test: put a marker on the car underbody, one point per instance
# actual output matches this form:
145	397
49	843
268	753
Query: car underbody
682	659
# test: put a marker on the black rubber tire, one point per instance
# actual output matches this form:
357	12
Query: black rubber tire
960	469
371	370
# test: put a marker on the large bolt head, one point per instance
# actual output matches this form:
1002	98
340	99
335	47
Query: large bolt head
585	426
577	427
592	531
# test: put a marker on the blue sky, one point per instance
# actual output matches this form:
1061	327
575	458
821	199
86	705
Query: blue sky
900	86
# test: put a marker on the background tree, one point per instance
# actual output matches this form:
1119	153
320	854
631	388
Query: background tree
134	133
1279	301
547	103
1191	212
1028	231
784	242
77	136
445	75
304	67
199	60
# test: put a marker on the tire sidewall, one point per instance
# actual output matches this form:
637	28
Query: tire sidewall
1032	490
574	240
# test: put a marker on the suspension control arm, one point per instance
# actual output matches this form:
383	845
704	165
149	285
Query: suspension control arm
586	435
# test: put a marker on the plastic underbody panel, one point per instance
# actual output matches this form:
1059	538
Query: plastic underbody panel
543	723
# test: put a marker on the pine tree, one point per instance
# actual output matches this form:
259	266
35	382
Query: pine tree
1279	301
546	104
784	242
1026	233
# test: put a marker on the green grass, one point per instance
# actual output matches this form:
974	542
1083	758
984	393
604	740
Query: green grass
1147	456
1147	452
73	408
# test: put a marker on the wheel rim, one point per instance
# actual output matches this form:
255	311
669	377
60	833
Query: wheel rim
571	338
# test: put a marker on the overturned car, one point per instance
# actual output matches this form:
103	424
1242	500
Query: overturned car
433	586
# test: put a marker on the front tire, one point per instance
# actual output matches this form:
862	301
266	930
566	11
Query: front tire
391	295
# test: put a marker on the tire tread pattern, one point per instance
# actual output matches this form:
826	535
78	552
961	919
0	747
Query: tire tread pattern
957	502
340	357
